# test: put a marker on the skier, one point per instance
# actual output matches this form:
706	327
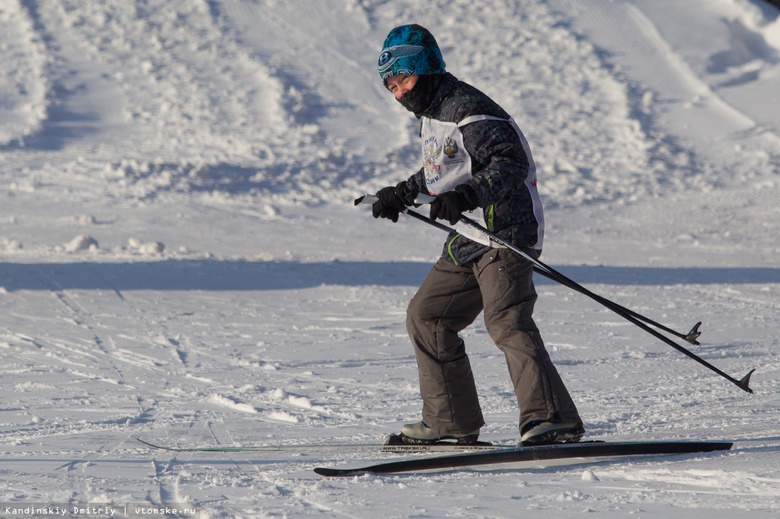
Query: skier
475	160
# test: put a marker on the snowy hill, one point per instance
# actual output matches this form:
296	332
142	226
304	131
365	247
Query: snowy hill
181	260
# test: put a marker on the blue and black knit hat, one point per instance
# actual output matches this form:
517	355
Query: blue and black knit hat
410	49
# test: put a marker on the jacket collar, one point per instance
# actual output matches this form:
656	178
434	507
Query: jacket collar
447	84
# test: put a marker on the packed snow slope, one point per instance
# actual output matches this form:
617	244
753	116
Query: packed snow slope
181	260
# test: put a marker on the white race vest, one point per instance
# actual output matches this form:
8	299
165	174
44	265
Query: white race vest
447	164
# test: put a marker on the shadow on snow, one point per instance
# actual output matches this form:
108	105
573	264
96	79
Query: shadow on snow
209	274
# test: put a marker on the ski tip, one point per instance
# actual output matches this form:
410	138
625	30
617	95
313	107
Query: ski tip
744	383
148	444
693	334
153	445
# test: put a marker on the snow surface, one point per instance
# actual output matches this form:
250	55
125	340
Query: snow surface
181	260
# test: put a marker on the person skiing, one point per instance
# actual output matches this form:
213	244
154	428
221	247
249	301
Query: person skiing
475	161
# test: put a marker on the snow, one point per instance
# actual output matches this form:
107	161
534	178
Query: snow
181	260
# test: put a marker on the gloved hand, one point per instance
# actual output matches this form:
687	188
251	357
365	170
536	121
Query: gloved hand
390	203
449	206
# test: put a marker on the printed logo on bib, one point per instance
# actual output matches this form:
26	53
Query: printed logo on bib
452	154
450	147
431	152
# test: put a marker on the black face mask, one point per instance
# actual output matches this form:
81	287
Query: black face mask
420	97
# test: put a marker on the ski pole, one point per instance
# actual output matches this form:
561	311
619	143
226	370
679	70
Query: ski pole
690	337
560	278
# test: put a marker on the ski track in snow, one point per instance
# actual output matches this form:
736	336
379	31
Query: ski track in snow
181	261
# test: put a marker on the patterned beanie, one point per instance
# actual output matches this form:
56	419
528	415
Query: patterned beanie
410	49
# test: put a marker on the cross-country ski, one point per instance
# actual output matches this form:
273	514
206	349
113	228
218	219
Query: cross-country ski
527	454
392	448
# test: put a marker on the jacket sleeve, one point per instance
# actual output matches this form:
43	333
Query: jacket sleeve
499	164
413	186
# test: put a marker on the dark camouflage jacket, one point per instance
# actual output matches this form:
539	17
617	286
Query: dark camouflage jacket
500	167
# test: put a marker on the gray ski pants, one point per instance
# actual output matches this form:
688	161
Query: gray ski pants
449	299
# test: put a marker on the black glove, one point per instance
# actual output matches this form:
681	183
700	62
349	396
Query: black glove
391	202
448	206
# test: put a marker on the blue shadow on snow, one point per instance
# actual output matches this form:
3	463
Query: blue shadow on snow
207	274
